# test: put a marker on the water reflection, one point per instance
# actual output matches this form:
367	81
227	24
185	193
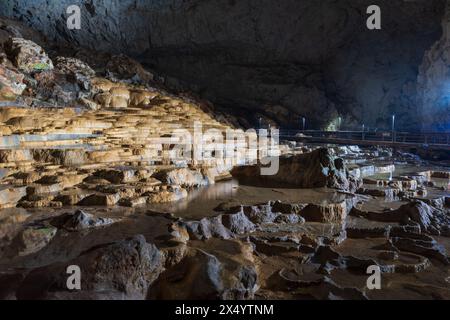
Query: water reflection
202	202
16	140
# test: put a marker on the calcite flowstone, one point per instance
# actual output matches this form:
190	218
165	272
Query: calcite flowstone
10	196
68	156
14	155
331	212
167	196
100	200
117	176
182	177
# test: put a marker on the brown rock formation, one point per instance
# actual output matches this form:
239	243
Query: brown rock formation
310	170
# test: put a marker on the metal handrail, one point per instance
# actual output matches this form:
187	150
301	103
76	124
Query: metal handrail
426	138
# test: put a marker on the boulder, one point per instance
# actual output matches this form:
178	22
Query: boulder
133	202
123	67
11	84
79	220
166	196
207	228
27	56
121	270
364	233
178	233
223	226
319	168
260	213
389	193
78	70
74	67
31	239
418	212
183	177
215	174
119	175
238	223
174	253
201	275
38	189
57	88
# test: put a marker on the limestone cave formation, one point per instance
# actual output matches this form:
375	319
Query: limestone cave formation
224	149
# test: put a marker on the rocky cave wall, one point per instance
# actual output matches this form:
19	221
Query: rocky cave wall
434	82
279	59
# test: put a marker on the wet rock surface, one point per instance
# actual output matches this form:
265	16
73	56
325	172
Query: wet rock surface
120	270
201	275
79	220
280	249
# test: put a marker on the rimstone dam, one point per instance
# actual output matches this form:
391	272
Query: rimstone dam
225	150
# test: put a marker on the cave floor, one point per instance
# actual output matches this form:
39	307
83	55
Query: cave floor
284	254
